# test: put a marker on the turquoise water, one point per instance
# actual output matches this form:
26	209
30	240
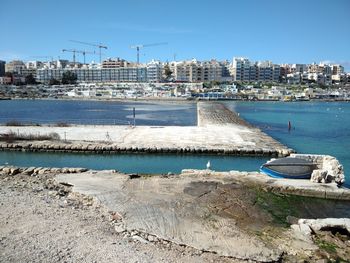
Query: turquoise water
317	127
132	163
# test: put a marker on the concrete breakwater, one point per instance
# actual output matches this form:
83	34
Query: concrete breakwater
217	114
219	131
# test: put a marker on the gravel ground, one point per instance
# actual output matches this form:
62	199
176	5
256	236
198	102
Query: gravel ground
42	225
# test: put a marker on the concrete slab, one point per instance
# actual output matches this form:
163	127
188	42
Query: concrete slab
201	212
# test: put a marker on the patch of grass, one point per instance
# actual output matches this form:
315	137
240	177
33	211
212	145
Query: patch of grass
12	136
326	246
19	124
279	206
14	123
62	124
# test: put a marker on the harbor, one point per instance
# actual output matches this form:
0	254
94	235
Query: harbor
227	214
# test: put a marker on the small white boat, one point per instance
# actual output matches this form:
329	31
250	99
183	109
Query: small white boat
289	167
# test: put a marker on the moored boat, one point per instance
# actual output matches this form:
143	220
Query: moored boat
289	167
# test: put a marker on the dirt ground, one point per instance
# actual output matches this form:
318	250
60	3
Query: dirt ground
42	225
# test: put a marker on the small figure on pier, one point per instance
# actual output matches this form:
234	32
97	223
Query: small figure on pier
208	165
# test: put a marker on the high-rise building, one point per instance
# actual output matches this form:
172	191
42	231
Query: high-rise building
128	74
115	63
154	71
245	70
15	66
196	71
2	68
337	69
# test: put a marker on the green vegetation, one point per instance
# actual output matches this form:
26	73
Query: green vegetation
280	206
12	136
69	78
62	124
54	82
326	246
30	80
167	72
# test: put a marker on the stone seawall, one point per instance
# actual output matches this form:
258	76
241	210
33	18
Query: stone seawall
105	148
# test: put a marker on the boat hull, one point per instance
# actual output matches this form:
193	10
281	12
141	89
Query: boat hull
275	174
291	168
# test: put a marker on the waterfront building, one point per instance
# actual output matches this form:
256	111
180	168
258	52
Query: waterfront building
15	66
294	78
241	69
154	71
5	80
337	69
301	68
268	72
320	68
199	71
86	74
247	71
116	63
33	64
2	68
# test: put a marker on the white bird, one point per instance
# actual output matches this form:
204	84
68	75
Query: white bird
208	165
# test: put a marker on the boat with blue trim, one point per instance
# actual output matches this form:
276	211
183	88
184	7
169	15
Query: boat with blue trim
289	167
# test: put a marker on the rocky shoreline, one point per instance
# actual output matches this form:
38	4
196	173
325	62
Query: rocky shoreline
71	219
42	221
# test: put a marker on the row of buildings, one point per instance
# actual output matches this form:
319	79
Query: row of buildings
119	70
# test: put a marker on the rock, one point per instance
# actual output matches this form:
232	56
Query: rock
116	216
29	170
43	171
133	176
72	170
14	171
140	239
6	170
119	228
65	170
36	170
327	223
152	238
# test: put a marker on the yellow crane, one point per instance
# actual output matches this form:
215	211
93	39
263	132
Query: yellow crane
99	46
138	47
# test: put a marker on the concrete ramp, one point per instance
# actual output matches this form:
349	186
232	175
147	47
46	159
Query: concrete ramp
201	212
214	113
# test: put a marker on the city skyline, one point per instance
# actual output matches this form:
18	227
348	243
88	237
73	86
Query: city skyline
302	32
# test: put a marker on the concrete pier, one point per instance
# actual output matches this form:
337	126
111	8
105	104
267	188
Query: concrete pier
219	131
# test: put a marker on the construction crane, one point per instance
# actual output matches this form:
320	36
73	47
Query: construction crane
100	46
138	47
74	51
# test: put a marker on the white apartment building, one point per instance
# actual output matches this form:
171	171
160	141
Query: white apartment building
199	71
154	71
245	70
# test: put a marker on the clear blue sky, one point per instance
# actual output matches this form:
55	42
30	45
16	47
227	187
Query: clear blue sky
299	31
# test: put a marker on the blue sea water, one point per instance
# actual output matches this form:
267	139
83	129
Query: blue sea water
98	112
317	127
132	163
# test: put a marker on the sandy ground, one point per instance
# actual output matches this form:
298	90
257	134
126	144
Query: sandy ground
39	225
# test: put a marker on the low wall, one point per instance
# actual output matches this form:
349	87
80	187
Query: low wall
105	148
